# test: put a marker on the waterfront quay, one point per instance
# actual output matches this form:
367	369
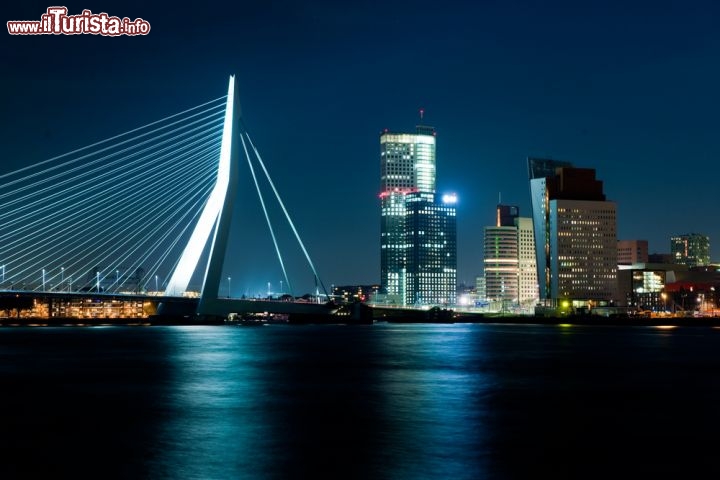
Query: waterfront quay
21	308
57	308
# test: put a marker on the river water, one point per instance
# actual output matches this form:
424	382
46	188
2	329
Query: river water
382	401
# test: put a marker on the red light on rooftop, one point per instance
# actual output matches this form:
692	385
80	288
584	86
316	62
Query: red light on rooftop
402	191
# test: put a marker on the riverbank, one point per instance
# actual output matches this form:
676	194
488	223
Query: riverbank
418	317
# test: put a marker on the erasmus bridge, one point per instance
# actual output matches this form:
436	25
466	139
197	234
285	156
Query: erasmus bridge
138	216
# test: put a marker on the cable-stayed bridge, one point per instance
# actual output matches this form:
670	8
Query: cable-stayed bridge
140	214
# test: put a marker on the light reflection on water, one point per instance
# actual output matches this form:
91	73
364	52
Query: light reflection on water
382	401
265	402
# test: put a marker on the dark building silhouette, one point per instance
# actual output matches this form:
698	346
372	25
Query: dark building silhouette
506	215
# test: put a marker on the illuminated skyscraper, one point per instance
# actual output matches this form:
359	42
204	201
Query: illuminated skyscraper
418	259
576	234
501	256
538	170
691	249
509	258
501	263
431	256
527	267
407	161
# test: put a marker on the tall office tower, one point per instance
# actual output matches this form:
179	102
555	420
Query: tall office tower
691	249
632	251
431	258
501	263
509	258
415	229
527	267
392	244
576	236
407	161
538	170
407	164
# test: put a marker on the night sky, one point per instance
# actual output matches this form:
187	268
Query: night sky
629	88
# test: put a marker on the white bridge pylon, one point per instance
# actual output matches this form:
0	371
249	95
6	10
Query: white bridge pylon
216	216
216	219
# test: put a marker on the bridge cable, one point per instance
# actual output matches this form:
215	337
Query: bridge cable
287	216
267	218
107	140
63	215
99	196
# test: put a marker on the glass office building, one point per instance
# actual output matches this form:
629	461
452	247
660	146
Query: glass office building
418	253
691	249
575	234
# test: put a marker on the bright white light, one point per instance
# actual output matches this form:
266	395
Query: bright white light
464	300
203	229
449	198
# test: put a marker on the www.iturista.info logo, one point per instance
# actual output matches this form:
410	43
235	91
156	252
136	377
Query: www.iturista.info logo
56	21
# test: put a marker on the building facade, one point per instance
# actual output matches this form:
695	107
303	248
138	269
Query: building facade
354	293
418	253
575	233
692	249
583	250
501	264
480	289
643	285
509	258
527	267
539	169
431	256
632	251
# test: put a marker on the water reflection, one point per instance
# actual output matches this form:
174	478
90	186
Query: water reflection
379	402
215	416
434	388
382	401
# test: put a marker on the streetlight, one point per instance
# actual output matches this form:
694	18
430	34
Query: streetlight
156	285
701	301
117	279
62	278
97	280
43	271
664	297
229	279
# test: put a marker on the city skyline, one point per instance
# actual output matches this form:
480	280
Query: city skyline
615	89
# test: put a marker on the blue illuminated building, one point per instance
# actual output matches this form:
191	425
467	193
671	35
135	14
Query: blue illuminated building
418	231
431	256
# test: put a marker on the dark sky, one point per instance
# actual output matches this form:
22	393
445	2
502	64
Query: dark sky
628	88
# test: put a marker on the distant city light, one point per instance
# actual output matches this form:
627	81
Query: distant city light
464	300
449	198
